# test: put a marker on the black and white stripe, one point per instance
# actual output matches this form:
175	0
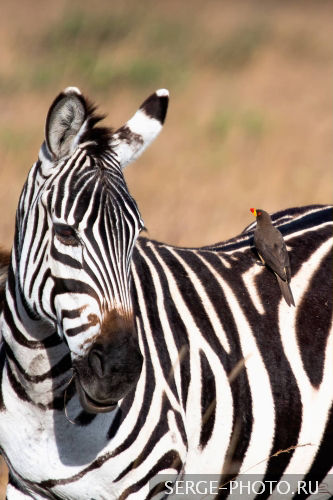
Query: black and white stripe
214	372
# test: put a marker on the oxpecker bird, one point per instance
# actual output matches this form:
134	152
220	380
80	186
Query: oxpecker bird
272	251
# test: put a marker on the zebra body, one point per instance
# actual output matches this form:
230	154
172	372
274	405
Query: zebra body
214	372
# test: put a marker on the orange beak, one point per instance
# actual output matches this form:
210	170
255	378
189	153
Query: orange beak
253	210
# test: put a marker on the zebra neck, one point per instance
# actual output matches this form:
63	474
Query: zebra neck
38	362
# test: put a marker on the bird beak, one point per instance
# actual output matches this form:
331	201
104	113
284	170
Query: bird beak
253	210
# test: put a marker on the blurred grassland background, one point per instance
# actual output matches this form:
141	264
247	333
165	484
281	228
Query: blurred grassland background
250	116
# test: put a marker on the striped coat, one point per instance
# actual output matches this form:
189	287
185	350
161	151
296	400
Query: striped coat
218	375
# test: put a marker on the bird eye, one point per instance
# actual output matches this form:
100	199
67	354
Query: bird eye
66	234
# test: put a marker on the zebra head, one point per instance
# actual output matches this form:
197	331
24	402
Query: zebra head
76	228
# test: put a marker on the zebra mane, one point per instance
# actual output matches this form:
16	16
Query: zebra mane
98	138
4	263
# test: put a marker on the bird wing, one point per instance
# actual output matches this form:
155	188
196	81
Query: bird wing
274	254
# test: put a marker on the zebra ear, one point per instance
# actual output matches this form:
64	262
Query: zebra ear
64	121
130	140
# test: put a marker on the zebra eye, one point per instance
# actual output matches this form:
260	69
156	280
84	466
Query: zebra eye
66	234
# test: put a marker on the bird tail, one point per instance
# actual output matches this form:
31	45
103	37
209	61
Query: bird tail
286	291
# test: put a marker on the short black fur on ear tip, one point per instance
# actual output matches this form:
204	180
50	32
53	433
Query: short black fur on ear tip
64	120
156	105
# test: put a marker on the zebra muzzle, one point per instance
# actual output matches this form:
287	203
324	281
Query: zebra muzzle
91	405
108	372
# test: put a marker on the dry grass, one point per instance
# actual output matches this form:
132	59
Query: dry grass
250	112
250	118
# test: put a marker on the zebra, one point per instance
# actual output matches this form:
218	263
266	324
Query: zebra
126	360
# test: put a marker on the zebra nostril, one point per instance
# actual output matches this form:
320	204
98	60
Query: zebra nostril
96	362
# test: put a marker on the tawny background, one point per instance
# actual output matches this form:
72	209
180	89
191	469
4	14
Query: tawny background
250	116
